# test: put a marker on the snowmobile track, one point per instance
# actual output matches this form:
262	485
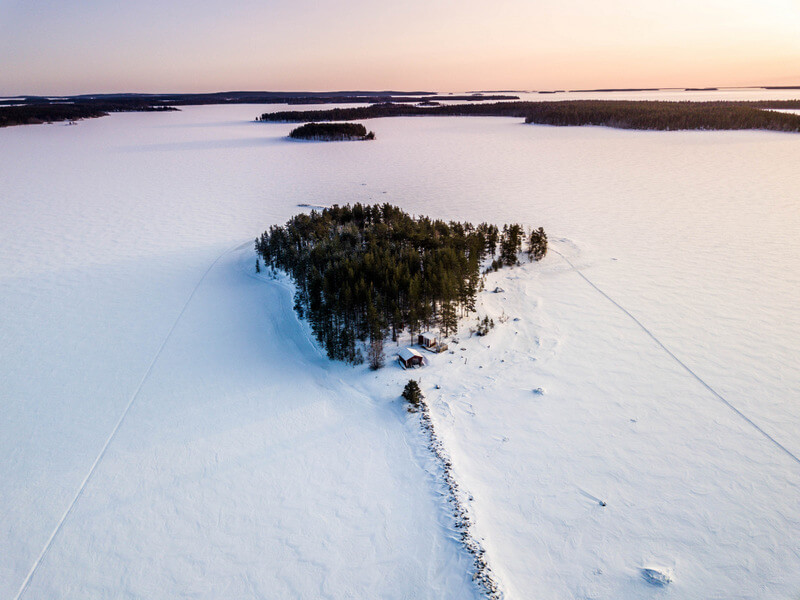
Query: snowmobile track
719	396
37	563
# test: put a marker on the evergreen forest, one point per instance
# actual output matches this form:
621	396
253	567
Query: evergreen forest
367	272
331	132
621	114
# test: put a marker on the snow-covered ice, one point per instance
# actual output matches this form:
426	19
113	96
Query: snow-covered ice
249	466
686	482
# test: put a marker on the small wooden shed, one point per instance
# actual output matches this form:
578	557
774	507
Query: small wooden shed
428	340
409	357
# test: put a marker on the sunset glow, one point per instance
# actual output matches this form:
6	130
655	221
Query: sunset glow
97	46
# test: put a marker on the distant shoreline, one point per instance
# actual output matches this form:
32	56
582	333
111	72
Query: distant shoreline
619	114
32	110
630	114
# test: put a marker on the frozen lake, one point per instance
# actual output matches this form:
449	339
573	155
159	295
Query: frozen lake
122	282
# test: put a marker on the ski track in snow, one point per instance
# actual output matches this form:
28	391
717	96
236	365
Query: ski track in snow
680	362
26	582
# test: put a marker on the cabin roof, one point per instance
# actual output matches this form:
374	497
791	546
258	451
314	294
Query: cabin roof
428	335
408	353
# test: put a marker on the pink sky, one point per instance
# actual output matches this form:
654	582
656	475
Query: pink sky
50	47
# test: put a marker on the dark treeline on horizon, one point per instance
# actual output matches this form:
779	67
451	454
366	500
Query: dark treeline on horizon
634	114
622	114
399	99
331	132
259	98
365	272
52	112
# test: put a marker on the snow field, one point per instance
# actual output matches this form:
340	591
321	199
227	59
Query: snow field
685	480
249	466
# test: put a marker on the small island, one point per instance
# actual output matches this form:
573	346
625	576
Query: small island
332	132
364	273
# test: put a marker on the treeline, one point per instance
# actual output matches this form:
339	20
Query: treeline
331	132
791	104
667	116
25	110
53	112
392	109
656	115
372	99
365	272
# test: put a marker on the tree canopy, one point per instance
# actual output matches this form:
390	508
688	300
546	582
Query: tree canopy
331	132
623	114
364	272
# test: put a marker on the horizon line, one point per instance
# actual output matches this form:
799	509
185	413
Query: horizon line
419	92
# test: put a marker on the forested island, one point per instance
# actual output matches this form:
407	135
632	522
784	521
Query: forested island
332	132
51	112
367	272
622	114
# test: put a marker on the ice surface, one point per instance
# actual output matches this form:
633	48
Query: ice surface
686	482
249	466
673	95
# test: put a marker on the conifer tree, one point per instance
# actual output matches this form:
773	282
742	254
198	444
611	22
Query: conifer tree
375	353
511	244
537	244
412	393
449	318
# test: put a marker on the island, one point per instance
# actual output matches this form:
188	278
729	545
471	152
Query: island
332	132
363	273
621	114
36	113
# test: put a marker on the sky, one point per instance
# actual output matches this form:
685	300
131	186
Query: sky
95	46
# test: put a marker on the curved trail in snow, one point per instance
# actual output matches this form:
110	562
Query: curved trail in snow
26	582
700	380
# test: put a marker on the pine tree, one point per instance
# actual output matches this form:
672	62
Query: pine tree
537	244
258	266
376	335
449	318
375	353
511	244
412	393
